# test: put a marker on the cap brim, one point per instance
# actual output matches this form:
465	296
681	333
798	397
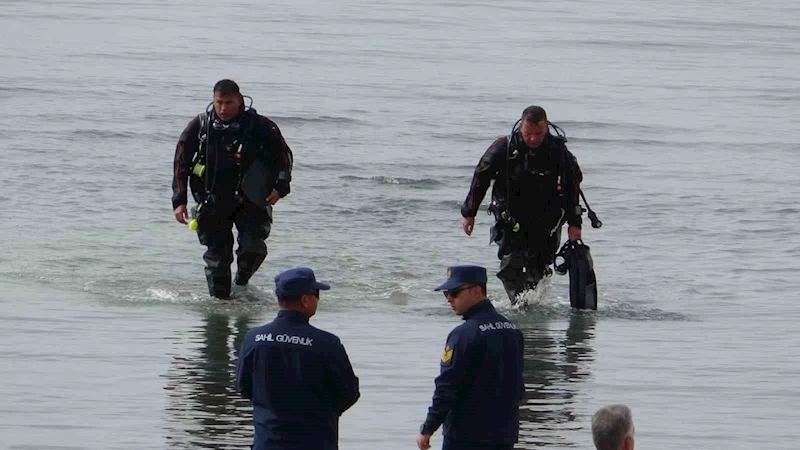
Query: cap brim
450	285
321	286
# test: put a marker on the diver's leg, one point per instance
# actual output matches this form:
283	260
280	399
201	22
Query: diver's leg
513	254
254	225
543	249
218	258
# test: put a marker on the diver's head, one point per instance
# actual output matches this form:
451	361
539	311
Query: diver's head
533	126
228	101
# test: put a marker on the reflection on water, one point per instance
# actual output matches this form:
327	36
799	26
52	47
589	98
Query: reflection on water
555	361
204	410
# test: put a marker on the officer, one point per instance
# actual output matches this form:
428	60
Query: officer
238	165
612	428
536	189
298	377
480	387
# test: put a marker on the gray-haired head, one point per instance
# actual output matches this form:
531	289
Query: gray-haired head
611	426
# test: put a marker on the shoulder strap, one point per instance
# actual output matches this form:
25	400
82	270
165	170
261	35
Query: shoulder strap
559	131
202	133
251	122
202	146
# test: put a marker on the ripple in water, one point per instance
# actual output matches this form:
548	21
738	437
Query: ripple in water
557	361
540	303
400	181
203	408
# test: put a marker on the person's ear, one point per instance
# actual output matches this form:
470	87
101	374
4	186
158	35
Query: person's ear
628	444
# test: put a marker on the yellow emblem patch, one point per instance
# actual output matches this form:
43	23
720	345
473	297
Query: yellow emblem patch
447	355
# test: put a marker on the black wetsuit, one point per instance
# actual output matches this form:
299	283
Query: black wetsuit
264	157
539	190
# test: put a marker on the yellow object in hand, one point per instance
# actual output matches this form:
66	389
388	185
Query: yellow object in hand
193	225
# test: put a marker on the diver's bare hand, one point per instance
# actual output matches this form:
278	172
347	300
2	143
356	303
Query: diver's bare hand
181	215
574	233
423	441
273	197
468	223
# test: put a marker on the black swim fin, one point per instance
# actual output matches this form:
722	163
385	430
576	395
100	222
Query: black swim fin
582	279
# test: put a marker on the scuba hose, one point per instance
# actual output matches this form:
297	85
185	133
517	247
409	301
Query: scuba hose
596	222
502	212
574	255
199	167
207	121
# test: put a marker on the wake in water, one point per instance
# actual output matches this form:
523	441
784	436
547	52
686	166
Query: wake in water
239	294
541	302
399	181
249	293
248	300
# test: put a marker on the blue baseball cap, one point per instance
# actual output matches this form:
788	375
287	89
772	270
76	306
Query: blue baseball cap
458	276
297	281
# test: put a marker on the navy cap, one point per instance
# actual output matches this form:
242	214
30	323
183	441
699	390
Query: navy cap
458	276
297	281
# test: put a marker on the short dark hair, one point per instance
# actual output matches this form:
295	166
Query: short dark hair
470	286
534	114
226	87
289	299
294	299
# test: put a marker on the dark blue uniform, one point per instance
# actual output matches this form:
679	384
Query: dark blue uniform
300	381
480	387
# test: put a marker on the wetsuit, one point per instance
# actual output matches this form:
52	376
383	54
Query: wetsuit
232	189
537	190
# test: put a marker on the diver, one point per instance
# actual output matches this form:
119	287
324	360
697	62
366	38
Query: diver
536	191
238	166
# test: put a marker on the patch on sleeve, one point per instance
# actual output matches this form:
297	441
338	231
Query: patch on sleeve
447	355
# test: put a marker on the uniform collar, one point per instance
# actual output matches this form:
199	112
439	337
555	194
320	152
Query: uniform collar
292	315
483	305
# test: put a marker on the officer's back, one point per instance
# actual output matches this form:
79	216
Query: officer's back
480	386
489	409
299	377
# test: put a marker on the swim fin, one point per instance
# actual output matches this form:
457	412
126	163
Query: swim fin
582	279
